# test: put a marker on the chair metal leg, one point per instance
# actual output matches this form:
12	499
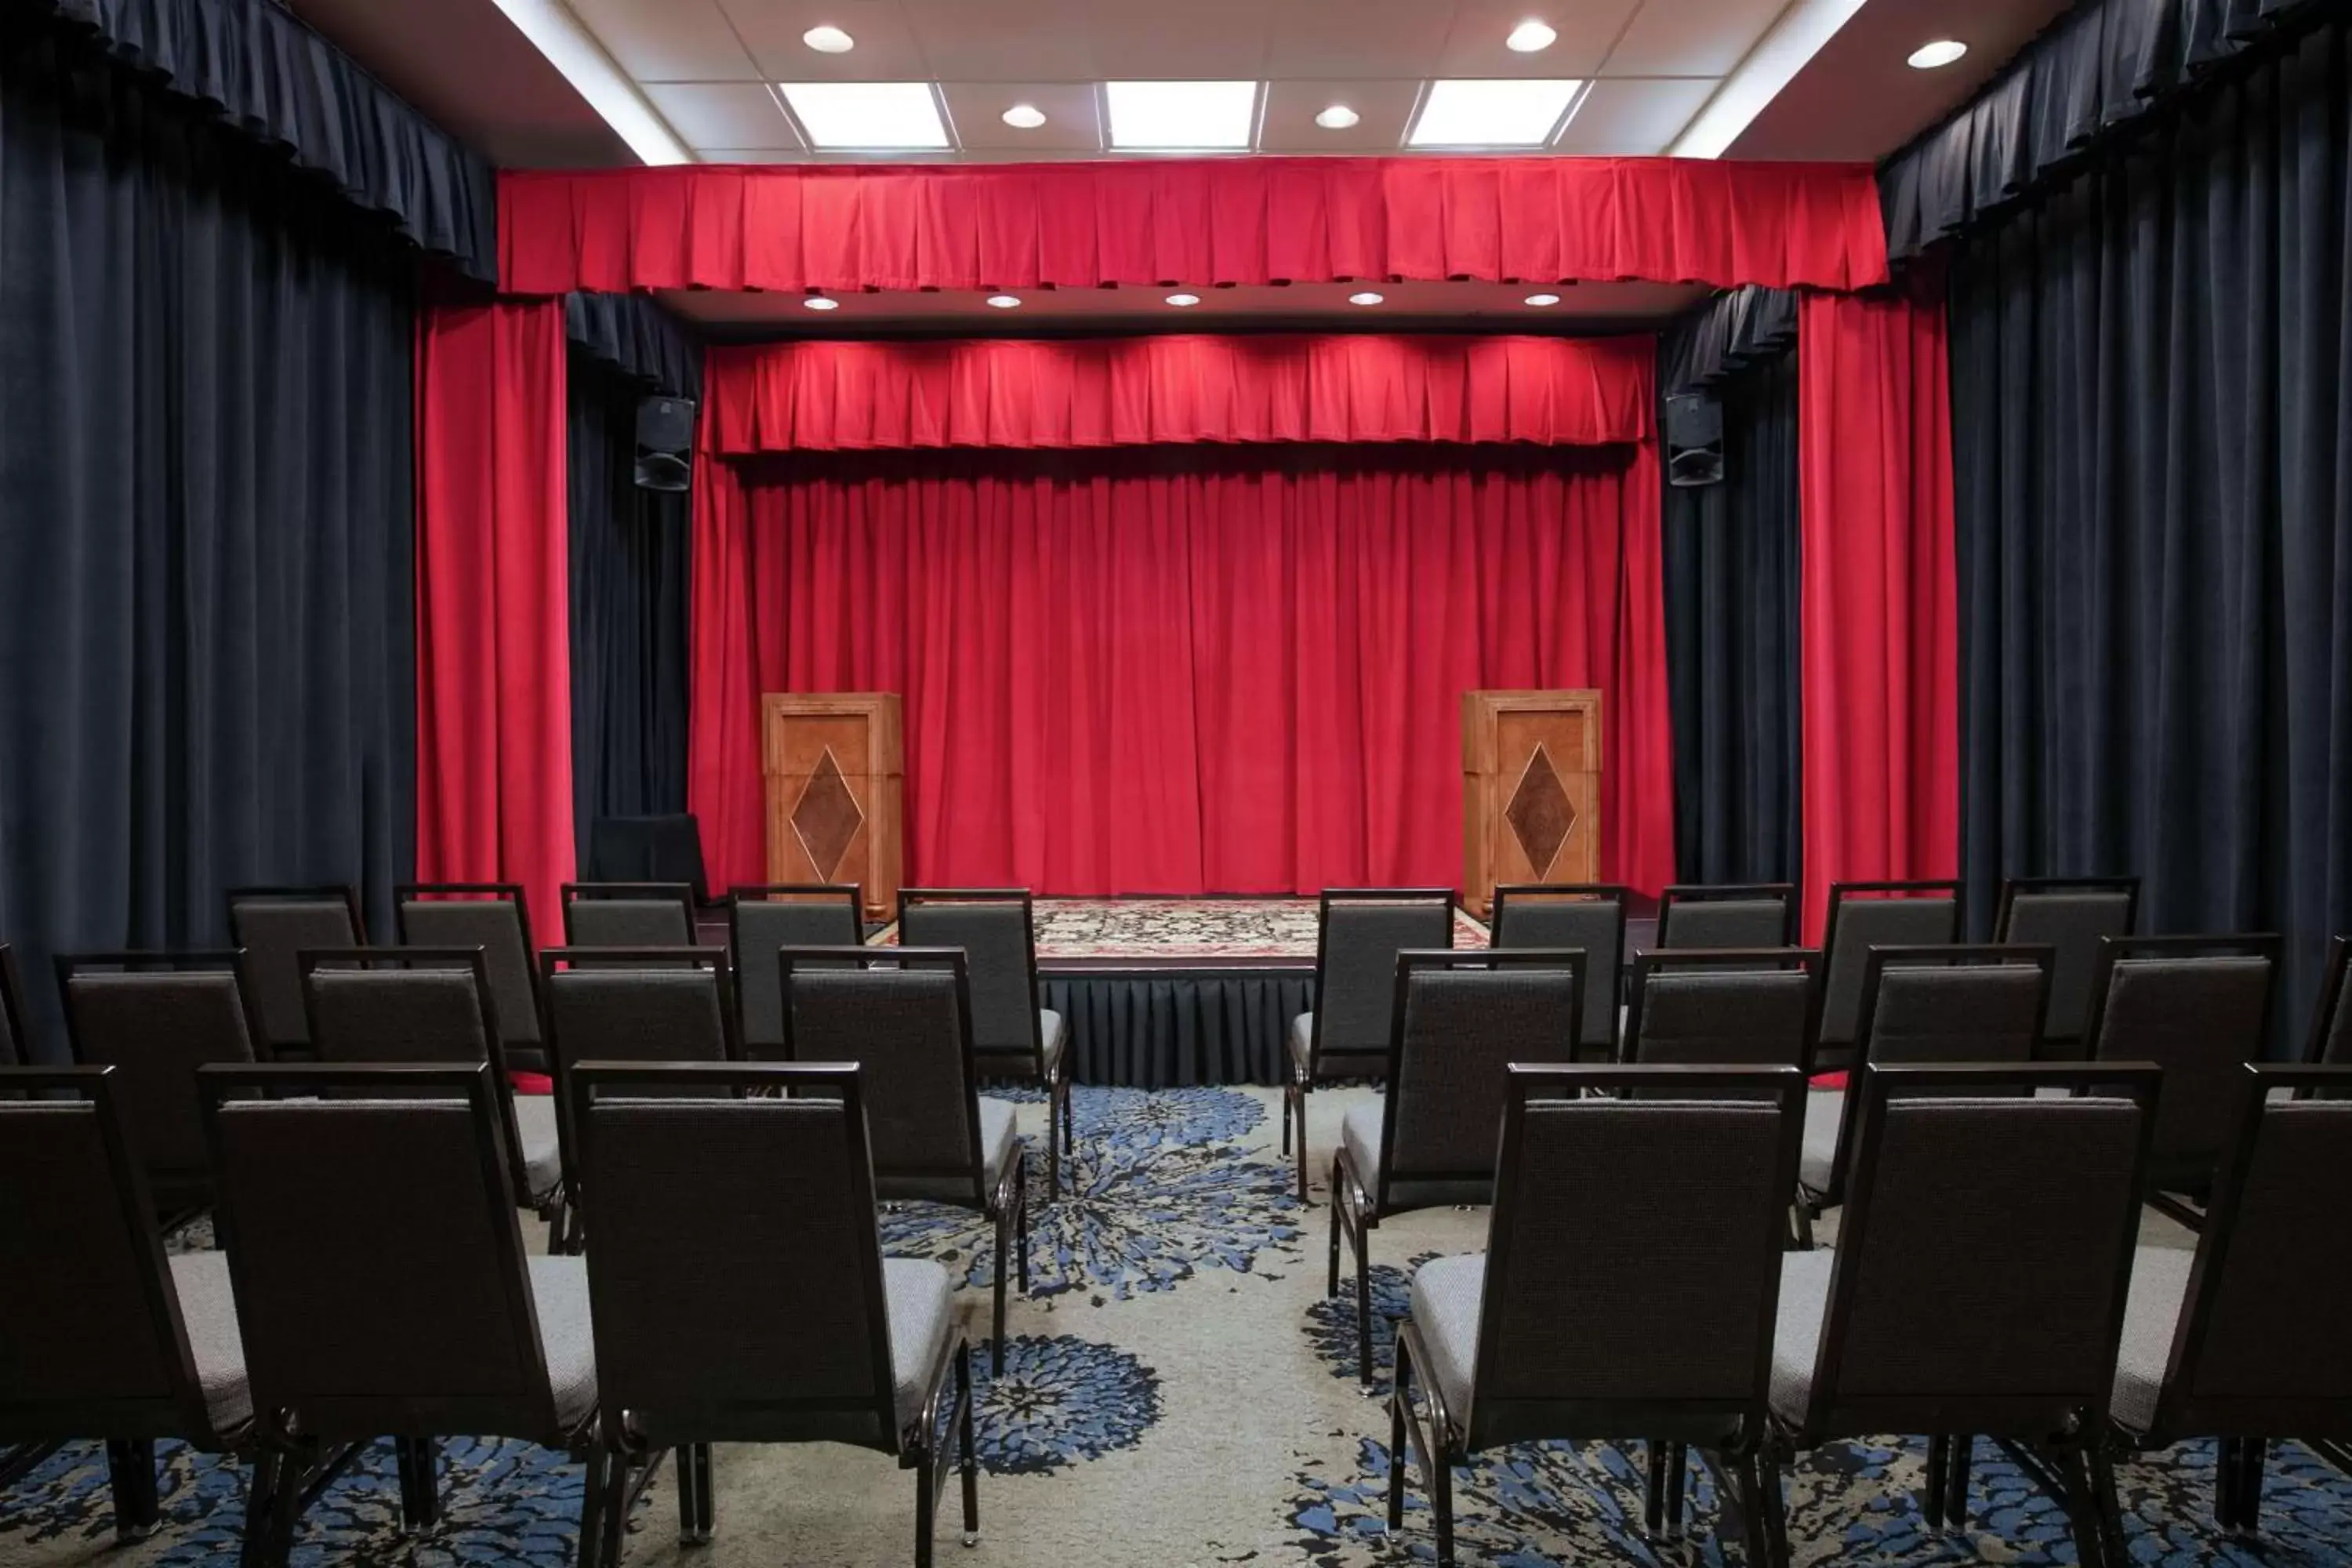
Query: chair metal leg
1331	1278
261	1501
689	1495
969	1461
1955	1485
2102	1457
1440	1498
927	1501
614	1516
130	1470
589	1551
1747	1482
1398	1459
1776	1502
1004	1268
2252	1453
1677	1478
418	1459
1364	1245
1021	1211
1653	1488
1285	1120
1934	1485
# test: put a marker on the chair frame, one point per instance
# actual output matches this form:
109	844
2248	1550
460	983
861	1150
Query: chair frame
1723	892
11	1009
588	892
2005	907
1646	964
913	1447
1295	1085
1841	893
322	893
1444	1437
814	893
1057	1087
1358	1207
1005	1205
406	893
2325	1006
1616	893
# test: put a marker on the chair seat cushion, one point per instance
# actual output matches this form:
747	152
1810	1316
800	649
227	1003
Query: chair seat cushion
1797	1333
558	1288
208	1307
997	1139
1446	1293
2159	1283
1054	1034
542	1152
916	1291
1816	1167
1359	1132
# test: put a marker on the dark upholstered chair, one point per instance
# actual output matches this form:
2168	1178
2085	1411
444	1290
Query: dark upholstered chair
496	918
628	914
659	848
1577	1323
15	1035
1864	915
106	1337
157	1017
2070	915
1461	1020
271	925
381	1284
1924	1007
1723	1007
2330	1044
761	919
758	1322
1591	918
1750	914
2198	1008
1978	1280
431	1005
909	1028
1358	933
1013	1034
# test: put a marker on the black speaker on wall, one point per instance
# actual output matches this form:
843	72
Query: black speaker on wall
665	443
1694	440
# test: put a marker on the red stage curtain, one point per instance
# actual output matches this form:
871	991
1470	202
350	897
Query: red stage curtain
493	653
1202	222
1126	392
1881	656
1183	671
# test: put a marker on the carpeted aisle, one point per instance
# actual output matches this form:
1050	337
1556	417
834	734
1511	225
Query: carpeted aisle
1179	1393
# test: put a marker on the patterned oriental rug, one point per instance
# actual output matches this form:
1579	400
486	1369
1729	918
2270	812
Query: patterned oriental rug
1184	932
1179	1392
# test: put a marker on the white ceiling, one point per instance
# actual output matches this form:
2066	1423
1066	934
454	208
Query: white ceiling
705	64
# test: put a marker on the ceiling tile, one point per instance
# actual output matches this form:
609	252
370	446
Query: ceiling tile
1687	39
749	155
671	40
1073	116
1203	40
1004	41
1385	107
1587	28
1634	117
771	29
1349	39
722	114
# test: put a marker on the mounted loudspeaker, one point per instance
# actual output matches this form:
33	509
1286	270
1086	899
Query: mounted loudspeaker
1694	440
665	443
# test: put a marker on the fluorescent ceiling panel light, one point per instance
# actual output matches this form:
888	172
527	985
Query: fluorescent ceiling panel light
1770	65
1942	52
1529	37
866	115
1181	115
1496	113
556	33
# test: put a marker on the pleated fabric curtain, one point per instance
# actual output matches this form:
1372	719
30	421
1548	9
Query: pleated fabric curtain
207	657
2154	458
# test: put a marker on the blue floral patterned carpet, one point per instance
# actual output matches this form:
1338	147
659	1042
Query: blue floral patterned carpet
1178	1391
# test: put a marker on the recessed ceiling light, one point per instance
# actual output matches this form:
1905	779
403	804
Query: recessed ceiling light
1004	302
1942	52
820	303
1181	115
834	41
1529	37
1366	298
1181	300
1338	117
1492	113
1025	117
1539	300
866	114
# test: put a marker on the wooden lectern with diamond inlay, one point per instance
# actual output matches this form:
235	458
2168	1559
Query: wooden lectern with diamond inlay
1531	791
832	765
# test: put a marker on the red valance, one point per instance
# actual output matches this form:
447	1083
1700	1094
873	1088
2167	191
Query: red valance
1200	222
1123	392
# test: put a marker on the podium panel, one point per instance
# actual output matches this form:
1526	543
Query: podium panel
833	779
1530	790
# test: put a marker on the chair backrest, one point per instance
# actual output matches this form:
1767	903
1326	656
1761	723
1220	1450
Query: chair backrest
91	1338
2260	1347
1358	933
15	1041
638	1004
372	1248
1864	915
996	928
662	848
1592	918
2331	1014
908	1029
2198	1008
628	914
1723	1007
761	919
156	1018
1461	1020
1975	1205
1593	1325
1750	914
2070	915
390	1004
493	917
273	925
758	1320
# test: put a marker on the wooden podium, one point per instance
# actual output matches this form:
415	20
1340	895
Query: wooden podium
832	765
1530	790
